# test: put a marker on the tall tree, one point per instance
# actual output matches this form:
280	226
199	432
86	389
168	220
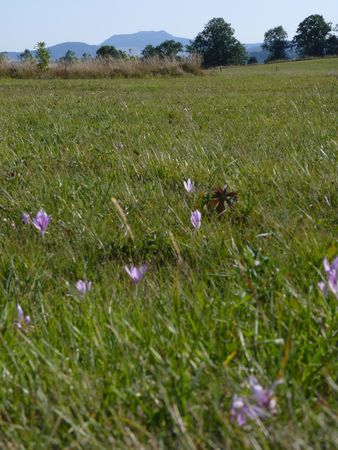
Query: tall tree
149	51
331	45
169	49
42	55
311	36
218	45
276	43
26	56
109	51
69	57
86	57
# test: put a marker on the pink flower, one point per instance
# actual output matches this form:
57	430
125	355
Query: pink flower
136	274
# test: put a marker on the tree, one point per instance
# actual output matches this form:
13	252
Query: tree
169	49
109	51
311	36
69	57
331	45
217	45
149	51
252	60
26	56
42	55
86	57
275	43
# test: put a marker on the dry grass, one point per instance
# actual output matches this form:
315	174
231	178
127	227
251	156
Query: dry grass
104	68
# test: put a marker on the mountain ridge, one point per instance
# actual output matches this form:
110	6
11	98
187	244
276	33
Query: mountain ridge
132	43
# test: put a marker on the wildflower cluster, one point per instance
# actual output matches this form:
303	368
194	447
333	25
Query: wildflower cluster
22	323
40	221
262	402
196	216
260	405
83	286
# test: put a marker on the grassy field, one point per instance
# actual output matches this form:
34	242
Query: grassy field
157	366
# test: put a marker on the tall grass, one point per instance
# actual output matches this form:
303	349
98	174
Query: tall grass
104	68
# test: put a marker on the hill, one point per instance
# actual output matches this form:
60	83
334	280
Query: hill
79	48
137	41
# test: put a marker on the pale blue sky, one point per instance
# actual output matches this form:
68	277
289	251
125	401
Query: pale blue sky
24	22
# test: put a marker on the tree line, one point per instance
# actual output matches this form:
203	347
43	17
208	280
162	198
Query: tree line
218	46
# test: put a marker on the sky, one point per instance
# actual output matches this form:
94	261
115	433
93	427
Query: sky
25	22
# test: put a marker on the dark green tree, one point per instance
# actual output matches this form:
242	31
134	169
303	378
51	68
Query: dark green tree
149	51
26	56
218	45
109	51
252	60
42	55
311	36
169	49
331	45
86	57
276	43
69	57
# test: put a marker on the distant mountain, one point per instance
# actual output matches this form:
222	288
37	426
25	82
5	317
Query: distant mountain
12	55
254	47
79	48
136	42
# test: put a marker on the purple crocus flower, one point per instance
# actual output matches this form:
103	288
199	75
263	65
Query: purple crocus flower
26	218
83	286
23	321
260	405
195	219
241	411
136	274
189	186
265	398
323	287
41	221
332	275
331	272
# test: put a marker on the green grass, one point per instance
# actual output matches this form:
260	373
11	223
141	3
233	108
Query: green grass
158	368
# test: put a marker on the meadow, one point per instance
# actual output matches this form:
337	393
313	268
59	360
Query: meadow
157	365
